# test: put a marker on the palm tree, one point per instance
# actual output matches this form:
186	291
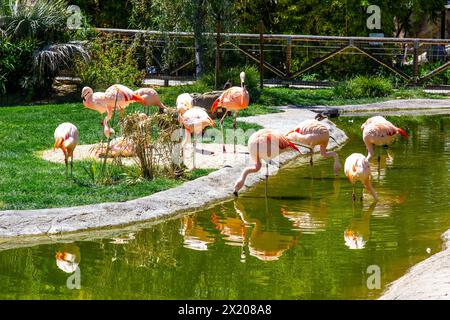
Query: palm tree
43	21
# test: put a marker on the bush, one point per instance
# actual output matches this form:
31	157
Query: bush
41	23
364	87
232	74
110	63
15	59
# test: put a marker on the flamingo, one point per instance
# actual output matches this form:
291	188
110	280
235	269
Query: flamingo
379	131
356	169
151	98
233	99
194	121
263	144
184	103
116	97
312	133
66	138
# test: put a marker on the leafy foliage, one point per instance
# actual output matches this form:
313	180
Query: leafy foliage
110	63
364	87
42	24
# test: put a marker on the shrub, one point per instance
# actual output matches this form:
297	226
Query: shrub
41	22
364	87
110	63
232	74
14	64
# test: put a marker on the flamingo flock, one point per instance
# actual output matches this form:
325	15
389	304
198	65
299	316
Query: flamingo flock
264	144
310	133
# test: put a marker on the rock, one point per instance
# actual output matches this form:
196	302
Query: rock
206	100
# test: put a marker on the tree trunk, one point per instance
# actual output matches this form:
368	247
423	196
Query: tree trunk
199	17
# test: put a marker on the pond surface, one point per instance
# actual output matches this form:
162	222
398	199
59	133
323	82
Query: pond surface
305	241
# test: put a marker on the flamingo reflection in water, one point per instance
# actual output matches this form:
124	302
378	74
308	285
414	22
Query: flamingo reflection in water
241	231
263	243
195	236
310	219
68	259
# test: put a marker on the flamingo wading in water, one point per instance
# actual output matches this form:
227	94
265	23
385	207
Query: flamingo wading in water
194	121
379	131
311	133
356	169
66	138
233	99
263	144
151	98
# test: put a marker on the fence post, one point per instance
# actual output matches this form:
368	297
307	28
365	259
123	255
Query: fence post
288	56
217	71
261	54
416	63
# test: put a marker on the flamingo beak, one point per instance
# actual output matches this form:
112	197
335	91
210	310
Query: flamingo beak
235	193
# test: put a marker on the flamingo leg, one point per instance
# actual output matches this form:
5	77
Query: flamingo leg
267	178
71	165
353	193
194	146
311	157
223	132
234	130
66	161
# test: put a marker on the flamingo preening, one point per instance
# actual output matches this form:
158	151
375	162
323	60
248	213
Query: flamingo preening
151	98
66	138
116	97
184	102
356	169
233	99
379	131
263	144
194	121
311	133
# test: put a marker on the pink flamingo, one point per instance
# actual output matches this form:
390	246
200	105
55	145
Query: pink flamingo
311	133
233	99
195	120
116	96
263	144
184	103
378	131
151	98
356	169
66	138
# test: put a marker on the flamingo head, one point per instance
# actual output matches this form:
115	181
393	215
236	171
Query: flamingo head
86	92
238	186
242	76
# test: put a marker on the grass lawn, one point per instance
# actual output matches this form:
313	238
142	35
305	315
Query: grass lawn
28	182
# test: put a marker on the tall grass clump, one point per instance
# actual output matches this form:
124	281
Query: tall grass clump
364	87
152	138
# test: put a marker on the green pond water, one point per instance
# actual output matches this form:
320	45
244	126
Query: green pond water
307	240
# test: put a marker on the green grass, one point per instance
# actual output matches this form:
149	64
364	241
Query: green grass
28	182
327	97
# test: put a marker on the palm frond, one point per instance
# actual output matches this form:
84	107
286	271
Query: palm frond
54	57
23	19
